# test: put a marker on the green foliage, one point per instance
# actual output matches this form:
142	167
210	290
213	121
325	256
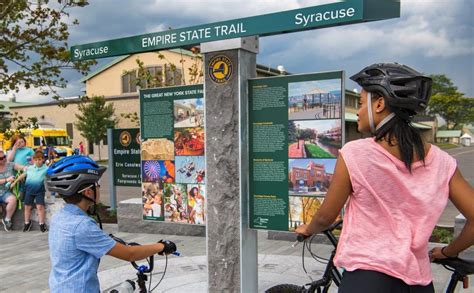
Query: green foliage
291	131
33	45
445	146
450	104
443	85
132	117
95	118
314	151
442	235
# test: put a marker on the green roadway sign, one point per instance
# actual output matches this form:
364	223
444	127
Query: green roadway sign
334	14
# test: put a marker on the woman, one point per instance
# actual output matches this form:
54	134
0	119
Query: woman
396	187
6	197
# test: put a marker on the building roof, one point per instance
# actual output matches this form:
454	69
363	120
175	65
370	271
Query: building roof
465	135
10	104
448	133
352	117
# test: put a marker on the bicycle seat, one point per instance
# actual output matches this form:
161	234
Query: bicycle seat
463	266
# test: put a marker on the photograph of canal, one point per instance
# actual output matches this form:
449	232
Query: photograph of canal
314	138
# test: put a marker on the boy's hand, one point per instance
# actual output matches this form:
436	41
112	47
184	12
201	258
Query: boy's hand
11	179
169	247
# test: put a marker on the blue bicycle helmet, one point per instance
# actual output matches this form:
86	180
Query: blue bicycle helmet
69	174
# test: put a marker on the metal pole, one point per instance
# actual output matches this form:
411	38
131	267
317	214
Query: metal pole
112	188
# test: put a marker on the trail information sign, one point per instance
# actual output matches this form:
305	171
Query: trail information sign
126	156
296	128
172	154
334	14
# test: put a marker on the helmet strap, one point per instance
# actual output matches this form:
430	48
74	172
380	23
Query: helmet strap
373	128
369	111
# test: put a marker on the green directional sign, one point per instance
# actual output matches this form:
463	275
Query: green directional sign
334	14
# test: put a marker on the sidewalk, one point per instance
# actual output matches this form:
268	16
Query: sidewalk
25	263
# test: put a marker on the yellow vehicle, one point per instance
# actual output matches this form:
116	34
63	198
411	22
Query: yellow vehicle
42	137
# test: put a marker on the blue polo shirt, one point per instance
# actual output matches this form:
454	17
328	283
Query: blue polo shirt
34	183
76	245
21	155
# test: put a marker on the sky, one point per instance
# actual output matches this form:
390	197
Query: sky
432	36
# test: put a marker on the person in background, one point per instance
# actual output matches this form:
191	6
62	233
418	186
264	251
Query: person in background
19	154
81	148
34	191
7	170
395	187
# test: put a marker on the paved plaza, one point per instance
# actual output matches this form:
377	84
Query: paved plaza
25	261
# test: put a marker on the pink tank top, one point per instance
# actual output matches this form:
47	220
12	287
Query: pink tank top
391	213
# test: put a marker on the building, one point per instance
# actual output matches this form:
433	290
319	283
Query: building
117	82
448	136
311	178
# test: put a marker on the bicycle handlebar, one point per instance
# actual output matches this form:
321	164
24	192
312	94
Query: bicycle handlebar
301	237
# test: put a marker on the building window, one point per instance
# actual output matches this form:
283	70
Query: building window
173	75
104	140
154	77
129	82
69	130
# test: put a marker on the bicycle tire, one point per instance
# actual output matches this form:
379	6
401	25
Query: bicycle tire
286	288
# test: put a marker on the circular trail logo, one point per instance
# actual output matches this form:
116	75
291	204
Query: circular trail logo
220	69
125	138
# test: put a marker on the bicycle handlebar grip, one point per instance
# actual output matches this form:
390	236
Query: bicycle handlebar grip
169	247
301	237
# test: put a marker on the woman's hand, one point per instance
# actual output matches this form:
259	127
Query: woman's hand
303	230
11	179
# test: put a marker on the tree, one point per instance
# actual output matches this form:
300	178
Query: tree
95	118
450	104
455	109
4	118
33	45
442	85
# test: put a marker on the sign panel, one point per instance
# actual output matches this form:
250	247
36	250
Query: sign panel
172	154
126	157
296	128
339	13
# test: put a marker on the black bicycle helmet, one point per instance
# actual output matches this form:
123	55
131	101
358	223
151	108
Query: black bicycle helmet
69	174
402	87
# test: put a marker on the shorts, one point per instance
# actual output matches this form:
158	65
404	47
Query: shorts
5	195
364	281
36	198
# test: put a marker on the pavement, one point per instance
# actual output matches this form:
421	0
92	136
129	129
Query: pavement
25	264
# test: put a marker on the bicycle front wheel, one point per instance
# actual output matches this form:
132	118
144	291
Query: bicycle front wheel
286	288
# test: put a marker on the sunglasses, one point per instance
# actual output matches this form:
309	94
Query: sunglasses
2	158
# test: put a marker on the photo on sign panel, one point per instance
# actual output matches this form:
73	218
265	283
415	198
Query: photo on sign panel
190	169
310	176
314	138
152	196
196	200
157	149
189	141
317	99
189	113
153	171
176	203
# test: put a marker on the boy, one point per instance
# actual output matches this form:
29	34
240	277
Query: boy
76	243
34	190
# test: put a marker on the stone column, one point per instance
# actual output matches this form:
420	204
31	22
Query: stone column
231	246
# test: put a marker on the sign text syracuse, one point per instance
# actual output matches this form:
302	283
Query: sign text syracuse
351	11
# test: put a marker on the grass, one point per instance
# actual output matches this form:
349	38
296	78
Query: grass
445	145
314	151
442	235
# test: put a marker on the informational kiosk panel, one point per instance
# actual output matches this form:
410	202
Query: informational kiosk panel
172	154
296	130
126	156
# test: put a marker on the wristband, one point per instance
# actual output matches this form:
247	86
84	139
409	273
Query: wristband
442	252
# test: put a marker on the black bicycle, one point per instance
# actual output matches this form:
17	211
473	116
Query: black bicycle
461	269
331	273
144	273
